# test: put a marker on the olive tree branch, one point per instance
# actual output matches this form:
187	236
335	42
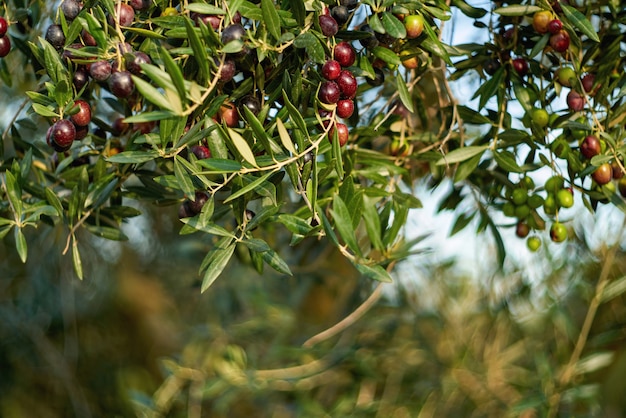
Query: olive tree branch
348	320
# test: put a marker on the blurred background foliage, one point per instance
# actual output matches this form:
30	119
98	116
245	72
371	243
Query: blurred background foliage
136	337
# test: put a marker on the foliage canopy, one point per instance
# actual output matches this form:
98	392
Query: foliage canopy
243	81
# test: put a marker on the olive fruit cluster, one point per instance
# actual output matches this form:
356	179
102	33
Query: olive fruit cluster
339	88
522	203
5	41
557	195
591	146
544	22
574	145
64	132
191	208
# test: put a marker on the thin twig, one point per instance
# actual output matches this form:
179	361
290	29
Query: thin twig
348	320
12	121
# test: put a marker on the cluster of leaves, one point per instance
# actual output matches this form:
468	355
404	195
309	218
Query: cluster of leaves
278	162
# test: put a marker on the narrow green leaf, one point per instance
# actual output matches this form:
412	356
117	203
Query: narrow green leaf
400	214
403	91
102	193
73	31
215	261
328	227
259	130
312	44
366	66
372	222
434	45
272	258
172	128
466	168
261	216
304	40
242	146
78	264
26	163
524	96
469	11
150	116
517	10
207	211
184	181
198	224
121	212
311	186
44	111
249	187
436	12
220	165
539	46
294	224
270	17
256	244
145	32
152	94
233	47
285	139
579	20
205	9
297	119
461	222
54	200
488	89
175	73
233	6
53	65
20	244
39	98
298	10
135	157
469	115
387	55
336	152
374	272
107	232
343	223
250	11
393	26
506	160
199	51
35	211
14	193
376	24
160	77
75	199
598	160
63	93
95	29
461	154
501	252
